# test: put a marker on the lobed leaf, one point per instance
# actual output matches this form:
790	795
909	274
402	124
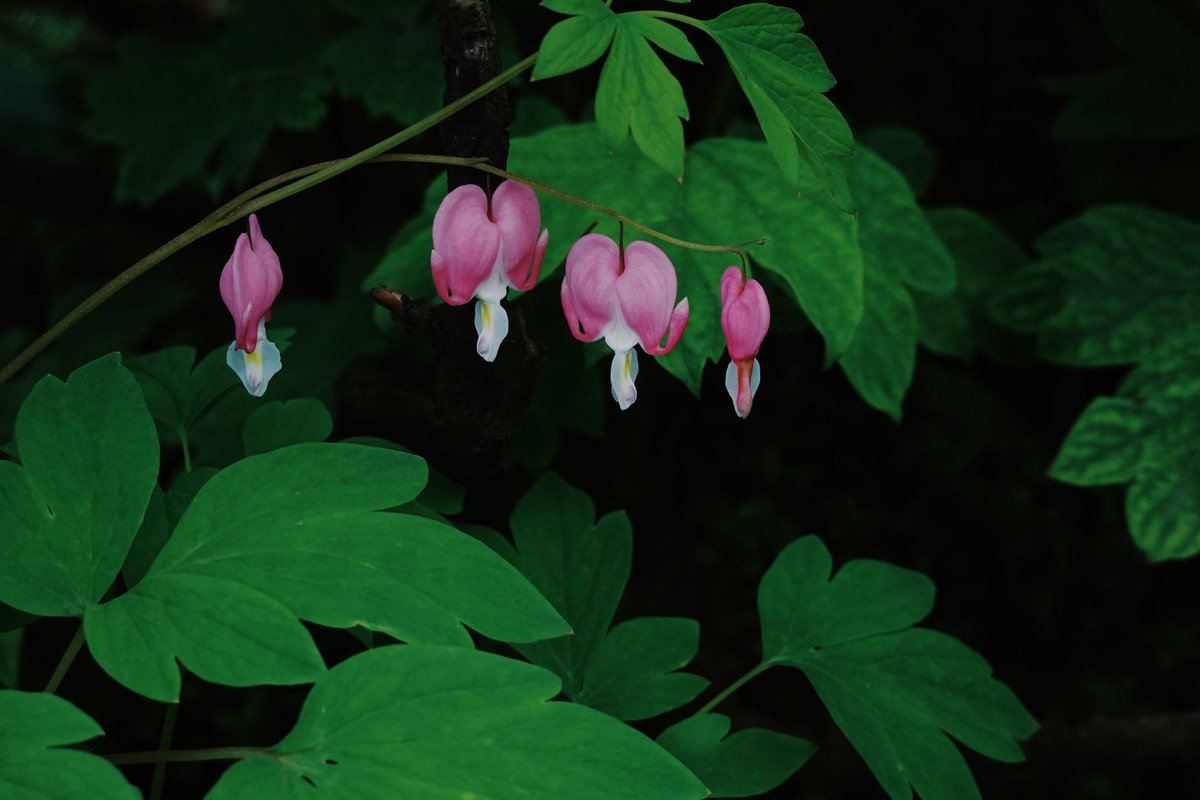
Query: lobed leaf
263	546
751	762
898	693
1108	288
33	763
71	509
783	76
437	722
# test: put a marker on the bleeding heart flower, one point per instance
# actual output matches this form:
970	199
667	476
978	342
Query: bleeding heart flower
745	317
480	249
626	299
250	283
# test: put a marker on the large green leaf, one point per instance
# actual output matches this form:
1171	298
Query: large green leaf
581	566
71	509
171	107
783	75
1149	436
900	253
442	723
1111	287
897	692
750	762
35	766
293	534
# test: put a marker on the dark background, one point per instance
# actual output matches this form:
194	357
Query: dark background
1041	578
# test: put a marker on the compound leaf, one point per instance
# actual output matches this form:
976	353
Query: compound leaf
897	692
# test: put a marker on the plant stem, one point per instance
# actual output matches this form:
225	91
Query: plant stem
64	663
733	687
164	742
187	450
260	196
206	754
675	17
363	156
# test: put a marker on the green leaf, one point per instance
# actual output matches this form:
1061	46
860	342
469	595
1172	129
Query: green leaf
264	545
637	93
35	766
581	566
170	108
632	674
984	256
72	508
440	494
176	394
576	42
897	692
422	721
900	252
151	536
750	762
783	75
1105	444
1111	287
1146	435
280	423
364	63
907	151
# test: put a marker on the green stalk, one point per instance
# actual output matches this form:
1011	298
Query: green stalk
247	203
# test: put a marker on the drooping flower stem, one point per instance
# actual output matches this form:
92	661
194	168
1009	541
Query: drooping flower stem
260	196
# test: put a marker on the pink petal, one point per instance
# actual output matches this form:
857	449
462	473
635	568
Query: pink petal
270	261
646	292
745	316
465	241
516	212
588	297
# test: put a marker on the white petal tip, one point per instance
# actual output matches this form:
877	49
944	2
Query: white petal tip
491	323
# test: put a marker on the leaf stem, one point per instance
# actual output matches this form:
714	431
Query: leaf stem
260	196
673	16
64	663
733	687
164	743
206	754
187	450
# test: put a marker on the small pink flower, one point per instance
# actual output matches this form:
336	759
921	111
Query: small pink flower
745	317
250	282
629	301
481	249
